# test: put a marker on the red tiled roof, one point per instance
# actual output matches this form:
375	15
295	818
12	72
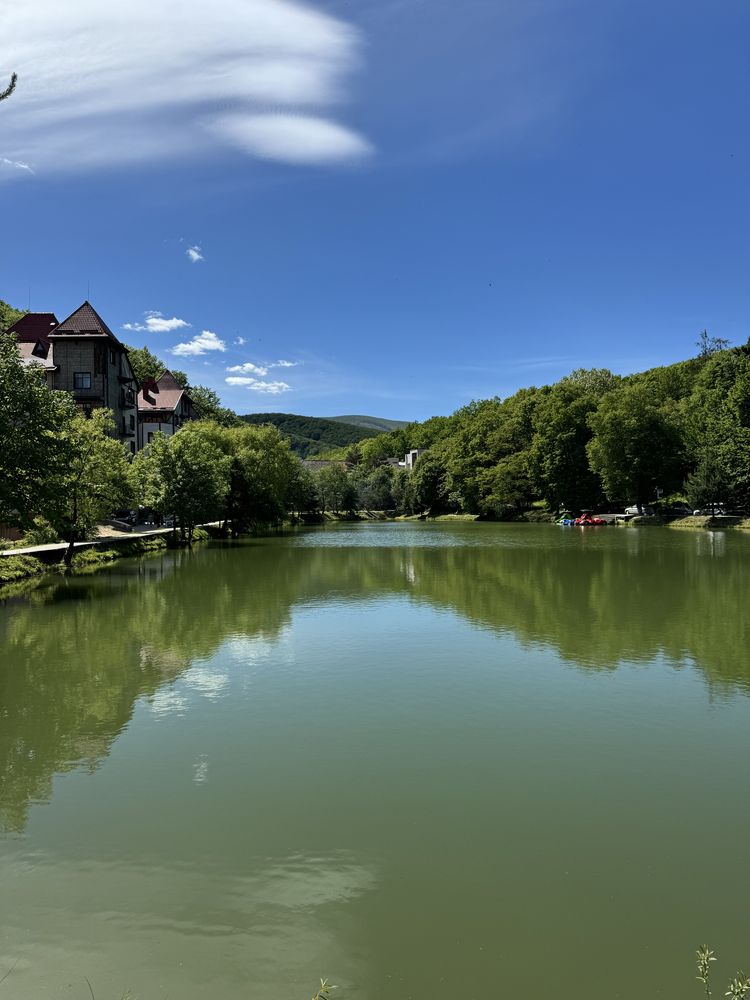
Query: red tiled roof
33	326
167	394
84	322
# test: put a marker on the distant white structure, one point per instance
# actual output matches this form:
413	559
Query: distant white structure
410	459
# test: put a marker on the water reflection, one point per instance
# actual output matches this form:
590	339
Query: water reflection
77	655
270	922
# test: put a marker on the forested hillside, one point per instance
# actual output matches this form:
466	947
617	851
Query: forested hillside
379	424
592	440
312	435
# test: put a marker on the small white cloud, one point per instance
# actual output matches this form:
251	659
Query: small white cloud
6	164
240	341
284	364
291	138
204	341
157	322
248	368
194	254
255	385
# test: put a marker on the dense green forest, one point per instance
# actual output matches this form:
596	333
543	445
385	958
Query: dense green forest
592	440
379	424
312	435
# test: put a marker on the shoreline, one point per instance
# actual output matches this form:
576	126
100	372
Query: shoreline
26	564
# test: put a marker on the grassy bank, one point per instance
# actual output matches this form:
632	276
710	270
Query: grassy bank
15	569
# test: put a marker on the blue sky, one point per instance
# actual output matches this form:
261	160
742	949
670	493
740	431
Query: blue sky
413	203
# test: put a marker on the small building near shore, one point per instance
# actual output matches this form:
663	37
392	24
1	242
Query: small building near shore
163	406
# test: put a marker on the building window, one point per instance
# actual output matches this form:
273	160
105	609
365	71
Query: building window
111	356
85	409
81	380
151	436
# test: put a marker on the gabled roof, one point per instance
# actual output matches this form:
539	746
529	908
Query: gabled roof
32	327
84	322
163	393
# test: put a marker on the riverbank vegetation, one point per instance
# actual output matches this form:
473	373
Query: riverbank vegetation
592	440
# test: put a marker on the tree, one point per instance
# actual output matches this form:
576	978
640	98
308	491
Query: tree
430	492
335	488
185	476
709	483
558	460
375	489
261	473
710	345
637	444
94	480
146	365
209	407
8	315
33	420
302	494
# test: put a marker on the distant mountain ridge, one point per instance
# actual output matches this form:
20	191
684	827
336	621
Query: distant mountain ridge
380	424
310	436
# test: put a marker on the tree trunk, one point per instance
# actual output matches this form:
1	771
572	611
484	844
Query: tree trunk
68	557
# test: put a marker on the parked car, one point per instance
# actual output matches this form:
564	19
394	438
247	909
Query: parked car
647	511
714	510
678	510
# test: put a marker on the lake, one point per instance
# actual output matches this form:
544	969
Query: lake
423	760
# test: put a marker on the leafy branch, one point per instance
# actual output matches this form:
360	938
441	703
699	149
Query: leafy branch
739	987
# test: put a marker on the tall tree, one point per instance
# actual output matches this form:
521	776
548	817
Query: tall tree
336	489
637	444
558	460
185	476
95	479
146	365
33	421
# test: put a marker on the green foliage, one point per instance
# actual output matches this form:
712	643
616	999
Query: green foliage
145	364
637	444
335	489
209	407
33	456
558	460
14	568
738	987
374	488
429	484
185	476
94	480
324	993
709	345
378	424
9	315
312	435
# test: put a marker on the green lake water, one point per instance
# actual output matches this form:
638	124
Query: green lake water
424	760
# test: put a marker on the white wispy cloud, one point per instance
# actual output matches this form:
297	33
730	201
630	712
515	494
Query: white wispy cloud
283	364
157	322
240	341
248	368
14	165
292	138
200	344
164	83
257	385
194	254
